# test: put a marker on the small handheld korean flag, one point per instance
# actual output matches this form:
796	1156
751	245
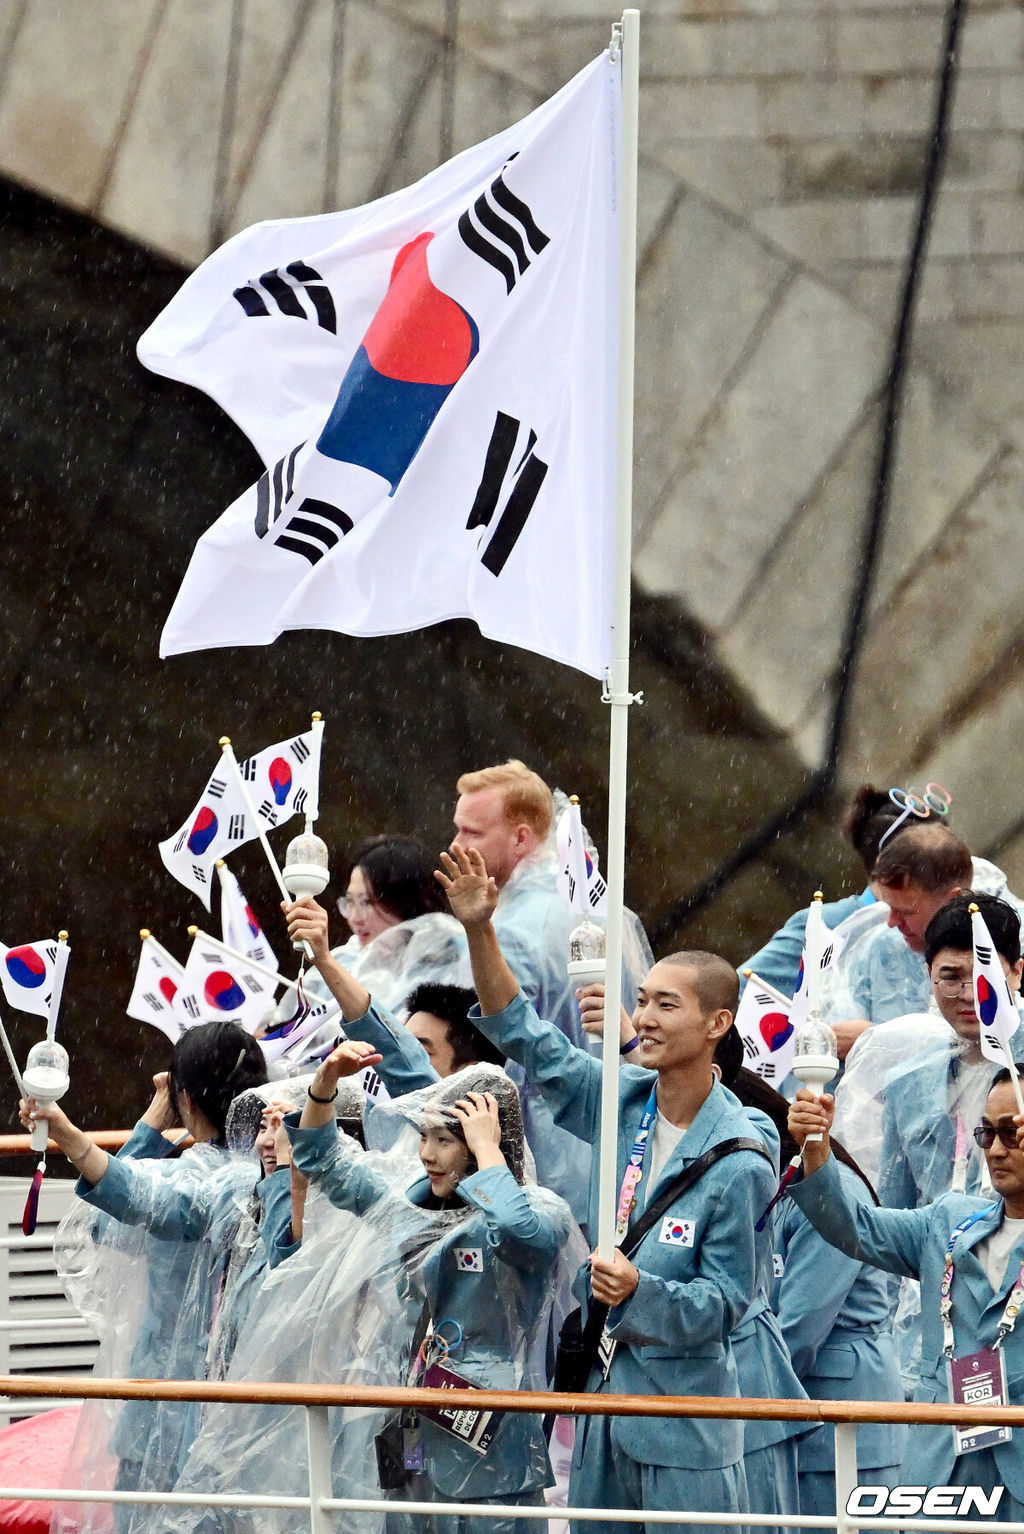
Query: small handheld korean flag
993	1004
157	983
280	782
579	883
763	1023
822	948
215	986
307	1016
239	926
28	974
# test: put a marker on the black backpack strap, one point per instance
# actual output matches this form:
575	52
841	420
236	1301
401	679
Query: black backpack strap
686	1179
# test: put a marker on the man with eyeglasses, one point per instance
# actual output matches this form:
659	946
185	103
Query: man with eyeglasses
931	1101
968	1254
880	974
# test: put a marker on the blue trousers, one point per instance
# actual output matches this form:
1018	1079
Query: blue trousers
603	1476
772	1485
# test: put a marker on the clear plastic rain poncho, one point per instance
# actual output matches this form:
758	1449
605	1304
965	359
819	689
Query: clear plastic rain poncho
248	1260
431	947
877	975
149	1280
913	1092
428	948
493	1284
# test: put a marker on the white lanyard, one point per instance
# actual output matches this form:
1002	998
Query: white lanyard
960	1154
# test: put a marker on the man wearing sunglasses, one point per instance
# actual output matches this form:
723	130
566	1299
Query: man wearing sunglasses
968	1254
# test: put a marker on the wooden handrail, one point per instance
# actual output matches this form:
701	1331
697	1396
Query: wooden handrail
106	1139
564	1404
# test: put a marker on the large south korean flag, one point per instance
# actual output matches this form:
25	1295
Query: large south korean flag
430	381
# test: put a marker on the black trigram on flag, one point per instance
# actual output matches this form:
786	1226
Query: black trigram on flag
248	769
236	828
215	788
512	486
299	802
299	749
199	873
296	290
191	1005
500	229
267	812
750	1049
984	954
312	528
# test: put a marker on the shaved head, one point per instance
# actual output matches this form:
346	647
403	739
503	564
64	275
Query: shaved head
714	979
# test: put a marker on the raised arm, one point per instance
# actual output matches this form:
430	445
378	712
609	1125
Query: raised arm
892	1239
473	897
86	1157
568	1078
308	921
347	1060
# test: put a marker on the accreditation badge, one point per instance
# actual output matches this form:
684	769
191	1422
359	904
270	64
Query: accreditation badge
978	1379
476	1429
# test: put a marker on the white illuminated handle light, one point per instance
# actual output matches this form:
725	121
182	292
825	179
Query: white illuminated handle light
815	1058
46	1078
306	870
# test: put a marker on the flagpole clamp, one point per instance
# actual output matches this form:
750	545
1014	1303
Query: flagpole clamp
608	696
615	46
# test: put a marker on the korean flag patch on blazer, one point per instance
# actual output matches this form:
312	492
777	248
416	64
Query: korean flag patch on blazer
676	1232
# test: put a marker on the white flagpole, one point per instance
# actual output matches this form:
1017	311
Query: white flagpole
755	979
313	807
625	42
197	934
9	1052
60	969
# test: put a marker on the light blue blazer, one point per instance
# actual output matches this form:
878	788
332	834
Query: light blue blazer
673	1332
912	1243
405	1065
835	1318
763	1364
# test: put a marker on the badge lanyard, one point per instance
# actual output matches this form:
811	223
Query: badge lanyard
1007	1320
635	1169
960	1154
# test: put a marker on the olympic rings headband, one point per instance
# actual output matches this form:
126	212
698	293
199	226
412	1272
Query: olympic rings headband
935	801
